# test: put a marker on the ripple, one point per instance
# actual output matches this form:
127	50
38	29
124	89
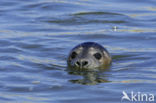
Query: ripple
87	18
10	49
5	42
36	37
95	13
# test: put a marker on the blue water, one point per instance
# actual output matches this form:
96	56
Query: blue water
37	35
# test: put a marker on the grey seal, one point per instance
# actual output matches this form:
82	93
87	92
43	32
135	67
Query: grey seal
89	55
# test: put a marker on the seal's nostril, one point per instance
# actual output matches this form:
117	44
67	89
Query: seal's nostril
81	63
84	63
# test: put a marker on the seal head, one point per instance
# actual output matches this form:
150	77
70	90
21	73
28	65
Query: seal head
88	55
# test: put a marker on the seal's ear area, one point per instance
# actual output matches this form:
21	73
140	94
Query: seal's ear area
107	55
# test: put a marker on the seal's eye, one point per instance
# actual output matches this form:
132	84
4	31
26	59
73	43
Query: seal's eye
73	55
97	56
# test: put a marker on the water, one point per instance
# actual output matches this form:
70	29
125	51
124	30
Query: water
36	37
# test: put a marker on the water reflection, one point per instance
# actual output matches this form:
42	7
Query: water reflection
88	77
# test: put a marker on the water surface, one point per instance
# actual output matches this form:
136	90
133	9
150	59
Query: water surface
36	37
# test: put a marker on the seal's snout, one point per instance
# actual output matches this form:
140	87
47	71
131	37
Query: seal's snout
82	63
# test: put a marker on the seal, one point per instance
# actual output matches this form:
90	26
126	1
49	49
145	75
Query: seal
89	55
